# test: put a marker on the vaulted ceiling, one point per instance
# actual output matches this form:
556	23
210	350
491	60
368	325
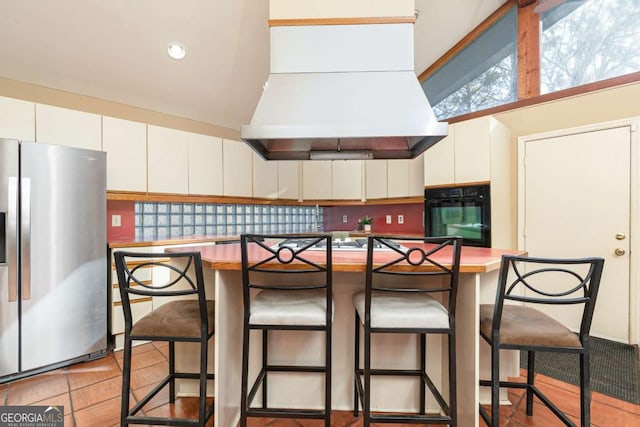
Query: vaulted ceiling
116	49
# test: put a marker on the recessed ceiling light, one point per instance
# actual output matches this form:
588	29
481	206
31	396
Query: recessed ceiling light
176	50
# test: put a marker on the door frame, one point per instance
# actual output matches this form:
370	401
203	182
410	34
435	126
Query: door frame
634	204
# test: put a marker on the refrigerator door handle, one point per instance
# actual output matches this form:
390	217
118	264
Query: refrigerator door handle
11	236
25	216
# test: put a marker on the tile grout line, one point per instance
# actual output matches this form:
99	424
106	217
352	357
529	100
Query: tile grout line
72	412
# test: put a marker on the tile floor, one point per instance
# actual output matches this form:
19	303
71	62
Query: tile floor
90	393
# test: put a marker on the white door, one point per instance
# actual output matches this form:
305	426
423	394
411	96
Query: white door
574	202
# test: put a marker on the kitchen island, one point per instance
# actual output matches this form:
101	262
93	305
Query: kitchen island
478	278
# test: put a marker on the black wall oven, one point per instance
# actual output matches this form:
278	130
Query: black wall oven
459	211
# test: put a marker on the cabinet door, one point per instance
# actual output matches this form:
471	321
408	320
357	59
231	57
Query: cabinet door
316	179
168	160
205	165
61	126
265	178
472	150
416	176
125	143
439	161
237	167
346	180
375	179
397	178
17	119
289	180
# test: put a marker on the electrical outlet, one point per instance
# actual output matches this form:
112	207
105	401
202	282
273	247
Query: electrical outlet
388	218
116	221
344	219
400	219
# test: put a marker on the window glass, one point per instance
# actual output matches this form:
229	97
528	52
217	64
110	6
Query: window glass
482	75
584	41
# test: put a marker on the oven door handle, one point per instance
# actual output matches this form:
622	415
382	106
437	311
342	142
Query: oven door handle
455	200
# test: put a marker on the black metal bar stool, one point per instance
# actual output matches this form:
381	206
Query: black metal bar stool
538	282
187	316
405	305
272	303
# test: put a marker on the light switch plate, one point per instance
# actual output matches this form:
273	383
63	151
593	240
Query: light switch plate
400	219
388	218
116	221
344	219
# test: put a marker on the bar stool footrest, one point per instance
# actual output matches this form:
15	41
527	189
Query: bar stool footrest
139	419
410	419
163	421
424	378
286	413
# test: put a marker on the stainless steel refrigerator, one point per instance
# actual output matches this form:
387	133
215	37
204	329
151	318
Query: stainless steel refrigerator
53	290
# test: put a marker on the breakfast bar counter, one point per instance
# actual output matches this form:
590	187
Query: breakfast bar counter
222	265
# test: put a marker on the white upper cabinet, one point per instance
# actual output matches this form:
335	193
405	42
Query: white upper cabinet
276	179
346	180
397	178
17	119
168	160
439	161
125	143
238	178
375	179
472	150
61	126
265	178
288	179
416	176
205	165
465	155
316	179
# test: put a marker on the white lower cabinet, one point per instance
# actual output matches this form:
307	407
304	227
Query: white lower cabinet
140	305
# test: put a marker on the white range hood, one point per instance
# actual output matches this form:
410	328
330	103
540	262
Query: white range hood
342	92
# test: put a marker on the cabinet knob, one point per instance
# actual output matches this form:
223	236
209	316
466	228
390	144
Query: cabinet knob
620	251
620	236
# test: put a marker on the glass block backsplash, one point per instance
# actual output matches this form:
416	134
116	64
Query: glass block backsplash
155	220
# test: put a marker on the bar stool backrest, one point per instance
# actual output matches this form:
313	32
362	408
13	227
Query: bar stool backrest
549	281
265	265
182	270
413	257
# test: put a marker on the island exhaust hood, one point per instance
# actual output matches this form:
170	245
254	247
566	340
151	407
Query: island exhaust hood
342	92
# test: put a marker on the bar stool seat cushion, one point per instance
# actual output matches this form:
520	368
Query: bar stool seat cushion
402	310
174	319
283	307
526	326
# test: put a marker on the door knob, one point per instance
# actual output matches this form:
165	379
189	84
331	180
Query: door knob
620	236
620	251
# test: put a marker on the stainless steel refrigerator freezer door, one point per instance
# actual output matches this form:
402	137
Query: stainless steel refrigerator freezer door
9	327
63	246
